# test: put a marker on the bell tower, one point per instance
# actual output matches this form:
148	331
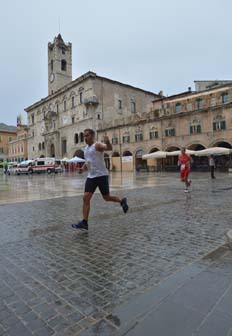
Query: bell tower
59	64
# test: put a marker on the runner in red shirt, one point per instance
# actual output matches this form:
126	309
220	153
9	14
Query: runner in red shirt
184	162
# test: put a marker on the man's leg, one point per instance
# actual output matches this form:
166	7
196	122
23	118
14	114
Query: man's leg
103	185
110	198
86	205
90	187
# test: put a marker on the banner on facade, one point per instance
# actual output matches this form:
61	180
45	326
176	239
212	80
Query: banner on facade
127	159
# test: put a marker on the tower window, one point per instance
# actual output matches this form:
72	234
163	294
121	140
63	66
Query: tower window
63	51
63	65
64	105
51	65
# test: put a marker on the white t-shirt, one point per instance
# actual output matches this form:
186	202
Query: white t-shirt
95	162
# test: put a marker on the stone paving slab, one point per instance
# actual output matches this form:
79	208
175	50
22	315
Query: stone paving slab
56	281
198	305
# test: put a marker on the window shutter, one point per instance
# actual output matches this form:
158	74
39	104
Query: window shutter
198	128
223	125
214	126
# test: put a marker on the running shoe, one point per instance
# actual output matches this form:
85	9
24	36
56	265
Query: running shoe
186	190
124	204
83	225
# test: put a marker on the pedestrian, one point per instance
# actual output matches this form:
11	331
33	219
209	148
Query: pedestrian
212	166
184	162
98	176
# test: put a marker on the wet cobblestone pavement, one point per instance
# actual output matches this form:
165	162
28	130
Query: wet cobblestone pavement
56	281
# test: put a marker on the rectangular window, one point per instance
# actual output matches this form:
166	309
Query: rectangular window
114	141
65	105
1	150
178	108
219	125
32	119
81	97
153	135
73	120
57	108
40	163
198	128
133	106
225	98
189	106
126	139
119	104
73	102
170	132
0	138
9	139
199	104
195	129
138	137
223	125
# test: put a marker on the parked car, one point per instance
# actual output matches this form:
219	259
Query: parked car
12	168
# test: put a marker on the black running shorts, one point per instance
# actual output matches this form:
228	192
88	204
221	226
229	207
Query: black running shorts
102	182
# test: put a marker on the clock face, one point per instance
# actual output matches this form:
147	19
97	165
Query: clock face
52	77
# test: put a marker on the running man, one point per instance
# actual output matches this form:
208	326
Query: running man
184	162
98	176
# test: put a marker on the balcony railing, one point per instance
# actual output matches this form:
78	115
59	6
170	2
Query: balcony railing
91	100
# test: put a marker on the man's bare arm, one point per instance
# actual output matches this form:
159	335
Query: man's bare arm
106	146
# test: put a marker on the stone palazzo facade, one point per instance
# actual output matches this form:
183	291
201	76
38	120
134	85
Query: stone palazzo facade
56	123
193	119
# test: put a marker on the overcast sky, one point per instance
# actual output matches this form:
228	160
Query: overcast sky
153	44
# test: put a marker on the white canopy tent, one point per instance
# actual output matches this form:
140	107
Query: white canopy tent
177	152
155	155
214	151
76	159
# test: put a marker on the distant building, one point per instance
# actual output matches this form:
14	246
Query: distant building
7	134
193	119
56	123
17	148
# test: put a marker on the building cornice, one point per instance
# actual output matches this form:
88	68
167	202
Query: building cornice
79	80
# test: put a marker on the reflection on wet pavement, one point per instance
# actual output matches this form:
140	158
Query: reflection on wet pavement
37	187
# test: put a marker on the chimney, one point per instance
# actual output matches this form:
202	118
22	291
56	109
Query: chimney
189	89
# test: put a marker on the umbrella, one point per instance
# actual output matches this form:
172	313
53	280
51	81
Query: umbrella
75	159
213	151
155	155
177	152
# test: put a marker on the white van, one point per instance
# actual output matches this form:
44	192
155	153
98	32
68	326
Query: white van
45	165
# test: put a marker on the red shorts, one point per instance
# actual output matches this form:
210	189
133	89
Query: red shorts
184	173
